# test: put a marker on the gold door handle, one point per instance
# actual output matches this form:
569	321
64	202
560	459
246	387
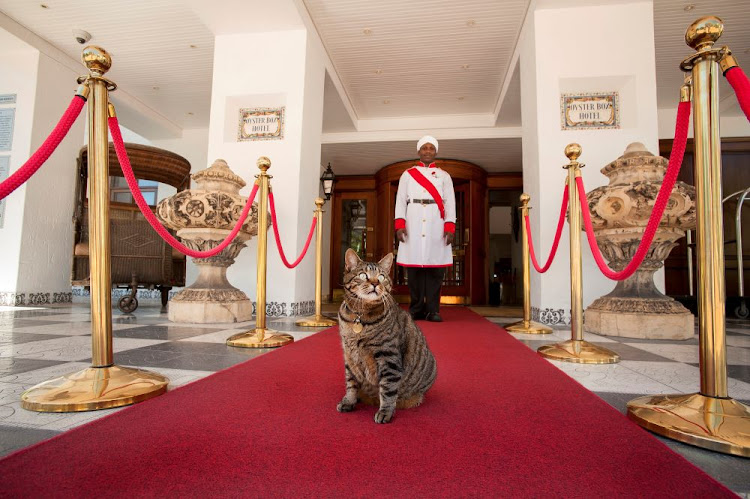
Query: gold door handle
466	236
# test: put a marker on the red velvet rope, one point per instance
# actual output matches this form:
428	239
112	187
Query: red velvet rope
45	151
127	170
278	239
675	162
553	251
737	78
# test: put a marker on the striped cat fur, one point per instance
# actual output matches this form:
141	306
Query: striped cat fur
386	358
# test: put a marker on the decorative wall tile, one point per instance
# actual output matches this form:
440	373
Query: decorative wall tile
117	293
11	299
550	316
280	309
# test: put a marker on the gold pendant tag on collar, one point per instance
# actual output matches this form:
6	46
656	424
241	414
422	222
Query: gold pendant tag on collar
357	327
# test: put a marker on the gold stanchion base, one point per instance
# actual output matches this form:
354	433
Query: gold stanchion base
260	338
316	321
579	351
721	425
528	327
94	388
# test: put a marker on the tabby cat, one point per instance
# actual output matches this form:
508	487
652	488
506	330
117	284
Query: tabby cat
386	358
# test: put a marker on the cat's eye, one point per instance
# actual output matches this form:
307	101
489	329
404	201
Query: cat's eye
381	278
362	276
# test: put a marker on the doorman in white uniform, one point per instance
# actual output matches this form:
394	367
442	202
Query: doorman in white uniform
425	225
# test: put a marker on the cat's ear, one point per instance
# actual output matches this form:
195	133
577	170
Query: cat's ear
386	262
351	259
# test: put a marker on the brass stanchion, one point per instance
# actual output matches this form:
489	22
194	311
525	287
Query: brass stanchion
103	385
576	349
708	419
261	337
318	320
526	325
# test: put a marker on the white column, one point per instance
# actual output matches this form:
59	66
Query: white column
36	239
273	69
568	48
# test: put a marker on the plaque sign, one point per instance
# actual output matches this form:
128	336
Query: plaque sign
6	128
261	123
590	111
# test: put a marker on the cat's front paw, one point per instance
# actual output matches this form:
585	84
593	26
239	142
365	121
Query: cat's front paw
384	416
345	406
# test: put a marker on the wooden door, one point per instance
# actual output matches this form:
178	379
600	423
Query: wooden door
352	226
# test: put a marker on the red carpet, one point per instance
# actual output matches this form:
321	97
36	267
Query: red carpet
500	421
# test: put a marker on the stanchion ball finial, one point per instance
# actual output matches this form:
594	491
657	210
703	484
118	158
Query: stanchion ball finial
704	32
319	202
264	163
525	198
96	59
573	151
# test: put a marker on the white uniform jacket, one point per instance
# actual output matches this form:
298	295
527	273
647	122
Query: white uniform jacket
419	214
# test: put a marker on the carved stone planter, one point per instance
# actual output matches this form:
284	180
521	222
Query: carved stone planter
619	213
203	217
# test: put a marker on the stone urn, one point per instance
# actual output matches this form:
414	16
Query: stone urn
619	214
203	217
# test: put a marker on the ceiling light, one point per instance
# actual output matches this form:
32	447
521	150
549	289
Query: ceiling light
464	66
471	23
378	71
193	46
386	101
460	98
189	113
689	7
155	88
367	31
44	6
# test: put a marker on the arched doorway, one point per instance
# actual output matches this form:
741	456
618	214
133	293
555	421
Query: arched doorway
372	233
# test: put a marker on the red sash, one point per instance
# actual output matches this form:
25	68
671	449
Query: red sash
421	180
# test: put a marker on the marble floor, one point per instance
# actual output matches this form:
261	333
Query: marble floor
38	344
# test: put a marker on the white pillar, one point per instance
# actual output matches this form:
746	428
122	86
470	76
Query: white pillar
272	70
568	48
37	234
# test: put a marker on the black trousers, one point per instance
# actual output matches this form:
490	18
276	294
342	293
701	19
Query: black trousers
424	288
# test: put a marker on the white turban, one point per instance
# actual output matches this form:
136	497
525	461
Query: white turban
427	139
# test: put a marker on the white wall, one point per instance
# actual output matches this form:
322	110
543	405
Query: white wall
284	73
36	240
18	67
309	175
47	243
586	59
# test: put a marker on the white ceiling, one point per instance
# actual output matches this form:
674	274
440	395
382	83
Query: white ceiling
366	158
150	43
400	70
430	53
670	22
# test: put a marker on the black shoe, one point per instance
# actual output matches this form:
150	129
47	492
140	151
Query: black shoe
434	317
417	316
